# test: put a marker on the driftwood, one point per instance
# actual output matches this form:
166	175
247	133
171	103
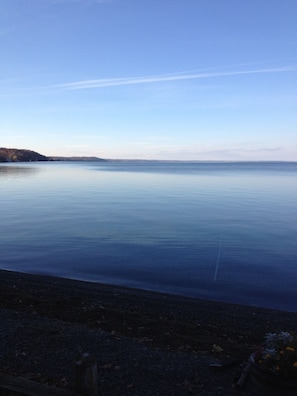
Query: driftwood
244	375
86	375
25	387
85	382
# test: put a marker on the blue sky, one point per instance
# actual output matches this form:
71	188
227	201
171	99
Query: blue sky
158	79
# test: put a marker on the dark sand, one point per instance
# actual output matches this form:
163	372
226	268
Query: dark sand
145	343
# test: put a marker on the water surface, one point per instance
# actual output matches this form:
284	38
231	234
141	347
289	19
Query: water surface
224	231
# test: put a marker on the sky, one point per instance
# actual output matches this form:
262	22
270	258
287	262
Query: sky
150	79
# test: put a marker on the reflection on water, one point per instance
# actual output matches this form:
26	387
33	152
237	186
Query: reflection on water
220	231
17	171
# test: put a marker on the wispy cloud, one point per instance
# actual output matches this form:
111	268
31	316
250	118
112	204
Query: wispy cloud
231	154
150	79
111	82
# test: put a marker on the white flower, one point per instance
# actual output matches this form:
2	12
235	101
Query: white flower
277	340
270	351
286	337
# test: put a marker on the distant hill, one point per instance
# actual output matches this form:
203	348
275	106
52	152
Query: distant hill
17	155
75	159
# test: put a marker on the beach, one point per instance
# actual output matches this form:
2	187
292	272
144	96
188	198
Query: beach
144	343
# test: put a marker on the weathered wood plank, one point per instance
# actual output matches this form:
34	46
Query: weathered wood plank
25	387
86	375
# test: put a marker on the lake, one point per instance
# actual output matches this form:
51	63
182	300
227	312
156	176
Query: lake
224	231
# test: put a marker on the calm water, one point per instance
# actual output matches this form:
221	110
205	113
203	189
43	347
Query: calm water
223	231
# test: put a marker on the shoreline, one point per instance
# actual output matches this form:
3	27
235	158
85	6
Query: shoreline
49	320
124	308
63	281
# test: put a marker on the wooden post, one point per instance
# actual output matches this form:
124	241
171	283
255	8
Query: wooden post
86	375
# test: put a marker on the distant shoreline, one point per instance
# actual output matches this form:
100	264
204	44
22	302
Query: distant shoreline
23	155
59	159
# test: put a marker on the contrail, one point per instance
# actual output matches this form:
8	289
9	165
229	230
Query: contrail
150	79
217	263
112	82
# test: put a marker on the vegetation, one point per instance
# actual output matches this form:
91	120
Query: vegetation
16	155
